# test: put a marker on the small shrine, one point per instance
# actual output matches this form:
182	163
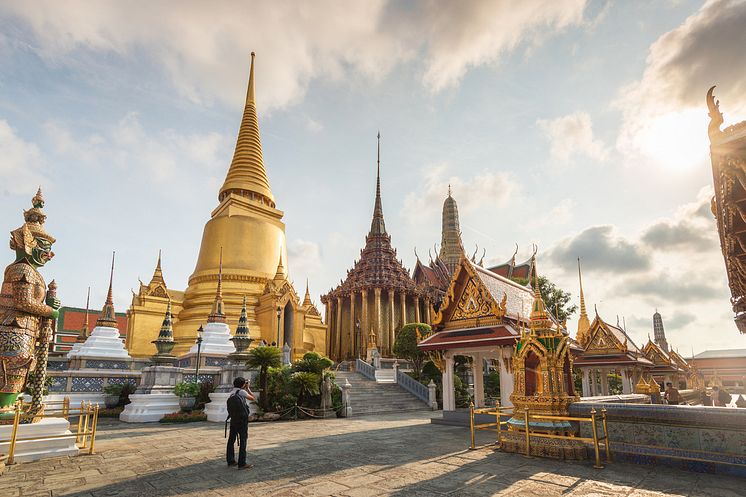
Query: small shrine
542	371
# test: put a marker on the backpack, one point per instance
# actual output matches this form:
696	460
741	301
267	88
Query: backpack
238	413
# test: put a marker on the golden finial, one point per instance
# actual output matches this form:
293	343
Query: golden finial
108	315
217	315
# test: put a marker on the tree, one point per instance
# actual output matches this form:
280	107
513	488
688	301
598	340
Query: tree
264	358
405	345
313	362
555	298
307	383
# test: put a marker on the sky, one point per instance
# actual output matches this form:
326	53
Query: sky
576	125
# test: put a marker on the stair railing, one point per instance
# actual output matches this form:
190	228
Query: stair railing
412	386
365	369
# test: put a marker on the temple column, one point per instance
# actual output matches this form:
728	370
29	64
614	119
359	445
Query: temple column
364	324
586	385
392	324
449	394
350	349
428	317
592	383
625	382
506	377
330	333
417	309
380	340
605	381
403	304
477	368
338	346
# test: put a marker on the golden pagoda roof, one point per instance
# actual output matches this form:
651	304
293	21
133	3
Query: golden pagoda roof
108	316
247	176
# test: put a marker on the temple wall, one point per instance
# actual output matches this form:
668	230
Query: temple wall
706	439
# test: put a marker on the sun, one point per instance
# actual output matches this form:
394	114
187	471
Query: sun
677	141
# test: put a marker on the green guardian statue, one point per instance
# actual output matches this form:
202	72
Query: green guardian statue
28	311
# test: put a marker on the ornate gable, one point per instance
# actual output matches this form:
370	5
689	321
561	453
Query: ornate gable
468	303
654	353
602	341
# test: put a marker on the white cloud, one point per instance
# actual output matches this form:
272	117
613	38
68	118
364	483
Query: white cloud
204	48
20	162
484	192
572	136
665	117
162	155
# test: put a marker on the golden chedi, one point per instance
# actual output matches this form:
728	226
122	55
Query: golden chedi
247	226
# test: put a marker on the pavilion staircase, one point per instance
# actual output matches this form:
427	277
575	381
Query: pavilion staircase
369	397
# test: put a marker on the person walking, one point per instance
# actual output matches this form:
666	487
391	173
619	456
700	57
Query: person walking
238	415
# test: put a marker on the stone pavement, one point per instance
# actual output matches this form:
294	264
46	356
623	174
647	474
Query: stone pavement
398	455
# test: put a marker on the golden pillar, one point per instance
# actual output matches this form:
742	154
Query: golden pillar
417	309
377	328
391	323
427	311
364	323
351	346
329	342
338	326
403	304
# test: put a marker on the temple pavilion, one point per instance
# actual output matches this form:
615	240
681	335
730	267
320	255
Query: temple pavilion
377	297
728	155
245	236
481	317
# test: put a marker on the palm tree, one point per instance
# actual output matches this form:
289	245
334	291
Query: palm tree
264	358
307	383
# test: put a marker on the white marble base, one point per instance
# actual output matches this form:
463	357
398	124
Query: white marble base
104	343
216	340
33	450
75	399
149	407
217	409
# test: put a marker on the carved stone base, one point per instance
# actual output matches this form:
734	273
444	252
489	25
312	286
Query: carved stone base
556	448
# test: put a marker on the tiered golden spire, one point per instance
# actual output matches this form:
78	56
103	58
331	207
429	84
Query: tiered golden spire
108	316
247	176
377	225
217	315
158	273
540	320
584	324
280	274
307	297
84	330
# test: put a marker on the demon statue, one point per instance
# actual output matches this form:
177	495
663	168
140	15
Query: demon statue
28	311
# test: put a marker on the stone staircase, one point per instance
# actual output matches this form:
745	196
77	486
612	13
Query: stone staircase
368	397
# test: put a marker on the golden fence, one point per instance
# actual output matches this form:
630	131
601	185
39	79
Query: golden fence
497	426
85	434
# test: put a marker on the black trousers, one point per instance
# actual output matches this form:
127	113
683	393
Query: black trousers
240	433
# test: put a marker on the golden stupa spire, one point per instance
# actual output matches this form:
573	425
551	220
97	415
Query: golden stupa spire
158	273
247	176
108	316
584	324
217	315
378	226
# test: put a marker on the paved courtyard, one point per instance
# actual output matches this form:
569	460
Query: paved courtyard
397	455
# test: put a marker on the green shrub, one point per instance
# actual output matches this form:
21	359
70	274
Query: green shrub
114	389
405	345
187	389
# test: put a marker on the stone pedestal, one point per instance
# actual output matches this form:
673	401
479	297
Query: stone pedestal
216	340
104	343
155	397
216	409
33	450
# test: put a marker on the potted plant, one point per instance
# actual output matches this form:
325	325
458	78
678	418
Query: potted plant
112	394
187	392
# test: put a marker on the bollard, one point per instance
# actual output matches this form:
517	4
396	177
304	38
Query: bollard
14	435
606	434
80	421
528	435
471	425
94	425
598	464
497	416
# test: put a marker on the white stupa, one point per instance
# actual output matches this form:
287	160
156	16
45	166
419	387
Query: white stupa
216	335
105	340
